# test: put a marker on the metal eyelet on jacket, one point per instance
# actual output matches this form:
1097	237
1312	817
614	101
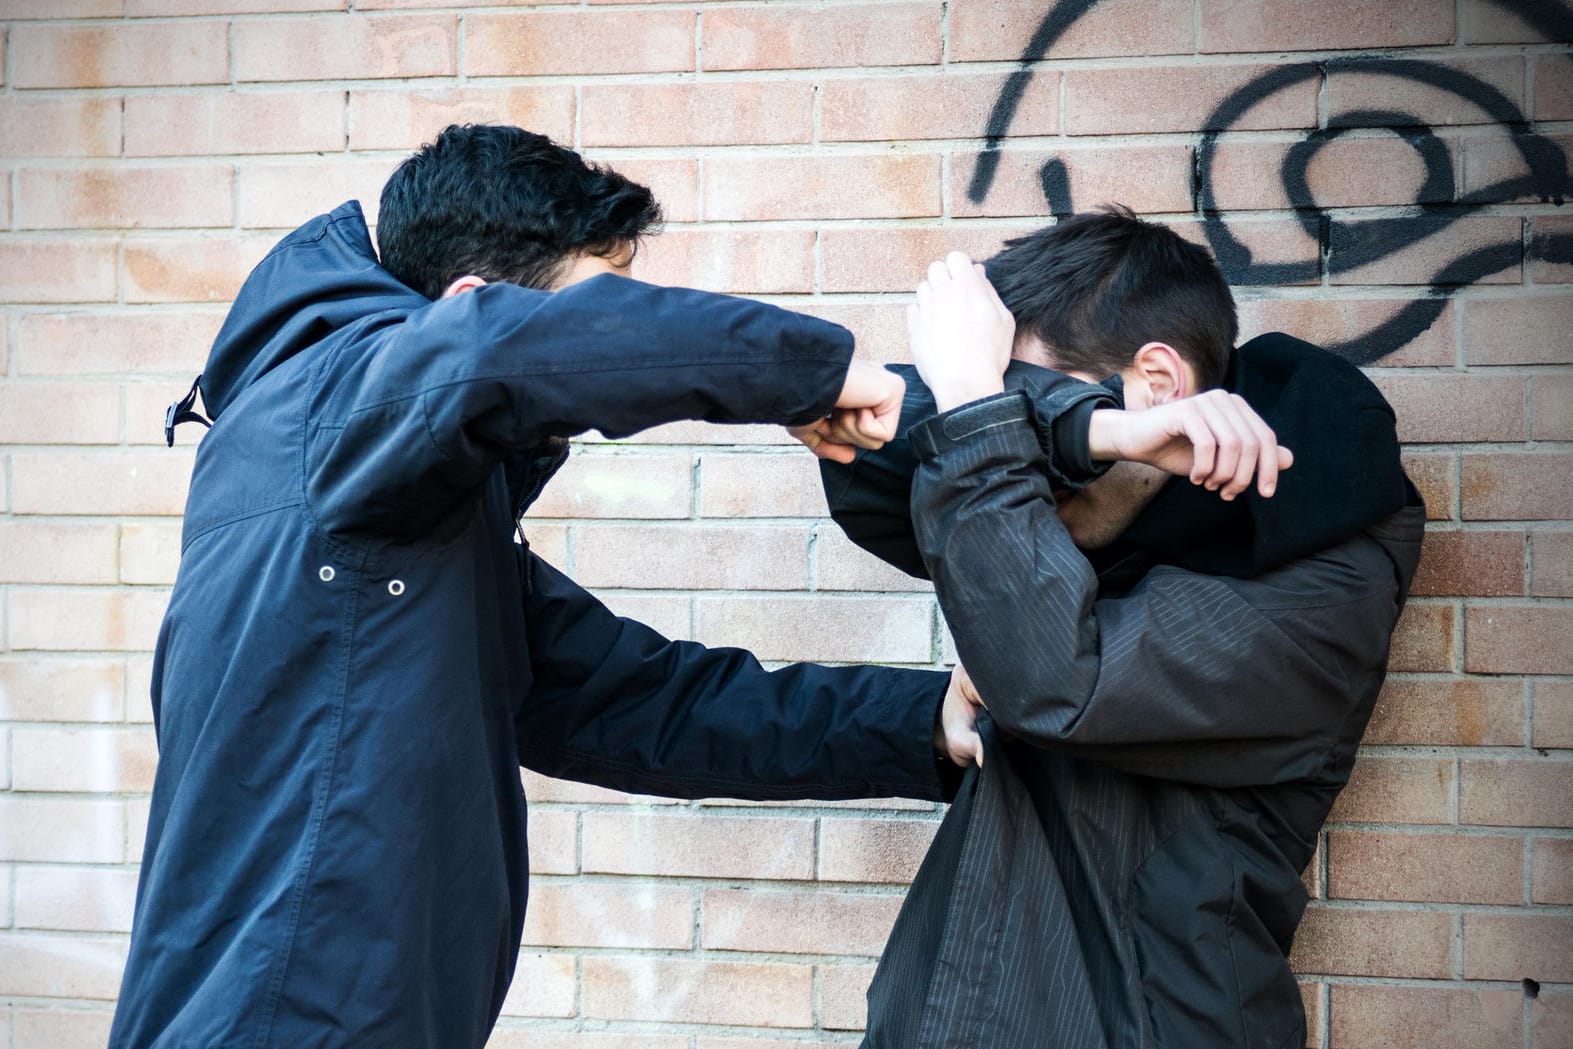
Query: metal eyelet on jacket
326	573
395	587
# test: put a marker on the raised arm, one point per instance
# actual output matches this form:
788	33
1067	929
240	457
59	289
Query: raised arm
410	427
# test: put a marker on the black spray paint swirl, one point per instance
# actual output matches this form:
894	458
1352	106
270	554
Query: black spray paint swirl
1349	244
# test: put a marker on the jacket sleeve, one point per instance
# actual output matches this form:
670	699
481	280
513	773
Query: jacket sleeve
1217	681
616	704
412	413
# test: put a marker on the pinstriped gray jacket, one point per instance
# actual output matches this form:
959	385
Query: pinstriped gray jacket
1125	870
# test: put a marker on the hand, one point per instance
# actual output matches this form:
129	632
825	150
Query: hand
960	333
1215	438
956	735
865	415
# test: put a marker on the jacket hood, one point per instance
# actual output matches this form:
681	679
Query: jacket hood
315	281
1347	474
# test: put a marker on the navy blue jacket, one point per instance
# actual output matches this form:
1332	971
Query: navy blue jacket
357	653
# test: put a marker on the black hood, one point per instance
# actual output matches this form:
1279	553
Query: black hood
318	279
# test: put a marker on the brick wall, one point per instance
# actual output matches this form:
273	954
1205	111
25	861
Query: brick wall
1373	174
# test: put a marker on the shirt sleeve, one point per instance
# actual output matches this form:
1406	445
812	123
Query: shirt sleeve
1223	682
616	704
410	417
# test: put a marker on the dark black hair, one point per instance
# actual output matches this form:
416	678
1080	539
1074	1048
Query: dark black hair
1096	287
507	205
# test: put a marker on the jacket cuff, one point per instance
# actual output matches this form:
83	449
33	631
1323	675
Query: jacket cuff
1059	416
944	431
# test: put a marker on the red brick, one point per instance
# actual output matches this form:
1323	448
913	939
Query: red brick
73	1028
57	967
101	56
1518	946
1397	790
282	196
1543	228
125	197
1484	564
1286	25
88	344
758	994
1553	87
1327	322
578	43
999	30
59	127
1373	1017
691	846
1433	868
612	486
1436	478
543	985
1551	407
1423	639
29	9
806	922
86	900
70	619
841	565
880	328
812	36
694	432
879	109
829	629
59	830
99	483
675	183
1343	173
530	1036
885	851
1553	870
1485	22
35	689
1551	1020
57	271
697	114
734	261
1367	941
1422	261
1494	159
554	843
170	8
1449	408
1470	712
691	557
843	996
609	914
406	119
1353	87
1144	178
760	486
1516	793
1507	486
1551	573
56	552
1267	242
822	187
1517	639
1123	101
897	259
252	122
1311	998
149	553
345	47
179	269
1553	717
59	413
1521	330
539	788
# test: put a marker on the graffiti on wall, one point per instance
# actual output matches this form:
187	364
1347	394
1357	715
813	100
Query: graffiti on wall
1347	244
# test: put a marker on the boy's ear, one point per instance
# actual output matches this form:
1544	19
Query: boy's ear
465	283
1164	372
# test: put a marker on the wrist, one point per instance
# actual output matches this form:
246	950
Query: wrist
954	395
1103	434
